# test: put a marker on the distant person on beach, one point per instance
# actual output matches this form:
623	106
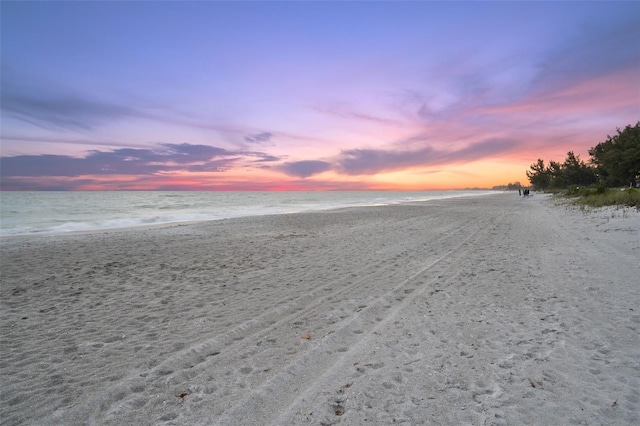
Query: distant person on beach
519	192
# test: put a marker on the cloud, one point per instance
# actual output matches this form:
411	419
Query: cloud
483	149
51	105
304	169
43	165
212	166
264	158
166	157
187	153
18	140
263	137
595	51
346	112
372	161
50	109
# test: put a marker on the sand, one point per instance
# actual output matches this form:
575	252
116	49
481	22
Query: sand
492	310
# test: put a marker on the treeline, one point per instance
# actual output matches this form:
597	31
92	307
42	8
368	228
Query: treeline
508	187
614	162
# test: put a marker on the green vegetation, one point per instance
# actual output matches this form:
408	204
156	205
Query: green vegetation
614	163
600	197
617	160
573	172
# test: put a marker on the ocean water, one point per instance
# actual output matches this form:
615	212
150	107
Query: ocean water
57	212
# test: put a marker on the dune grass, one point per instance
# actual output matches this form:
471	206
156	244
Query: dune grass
600	197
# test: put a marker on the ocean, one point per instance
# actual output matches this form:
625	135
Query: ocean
58	212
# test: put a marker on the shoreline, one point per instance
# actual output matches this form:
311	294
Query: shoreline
215	206
480	310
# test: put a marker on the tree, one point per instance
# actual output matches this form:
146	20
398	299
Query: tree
617	159
556	176
513	186
576	173
614	162
539	175
573	172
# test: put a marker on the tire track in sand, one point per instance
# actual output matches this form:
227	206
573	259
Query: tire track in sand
127	395
331	354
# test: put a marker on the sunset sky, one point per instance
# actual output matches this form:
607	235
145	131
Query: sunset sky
308	95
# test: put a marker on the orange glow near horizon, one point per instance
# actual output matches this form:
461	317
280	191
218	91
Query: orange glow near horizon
451	178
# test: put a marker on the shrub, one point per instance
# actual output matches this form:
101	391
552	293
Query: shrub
601	197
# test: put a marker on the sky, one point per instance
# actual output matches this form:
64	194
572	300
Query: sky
331	95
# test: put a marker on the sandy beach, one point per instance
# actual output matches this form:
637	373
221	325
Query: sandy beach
491	310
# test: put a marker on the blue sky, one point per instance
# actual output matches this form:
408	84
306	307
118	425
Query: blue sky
308	95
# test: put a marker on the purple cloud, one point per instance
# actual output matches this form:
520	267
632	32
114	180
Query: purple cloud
57	110
259	137
372	161
304	169
345	112
126	161
187	153
263	158
595	51
43	165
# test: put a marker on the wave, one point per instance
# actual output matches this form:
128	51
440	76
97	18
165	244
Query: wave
43	213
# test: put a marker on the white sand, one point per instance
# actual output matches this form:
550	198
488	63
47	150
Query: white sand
486	311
